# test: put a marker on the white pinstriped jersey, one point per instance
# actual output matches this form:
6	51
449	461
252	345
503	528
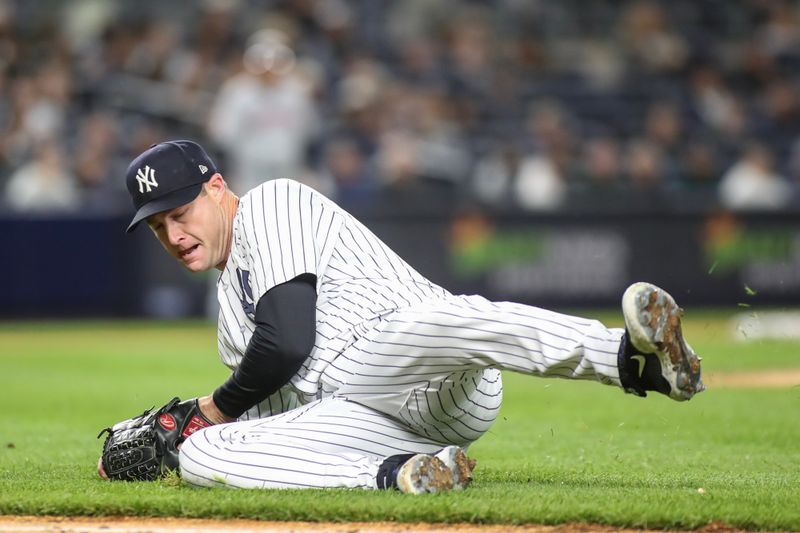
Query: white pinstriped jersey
283	229
399	365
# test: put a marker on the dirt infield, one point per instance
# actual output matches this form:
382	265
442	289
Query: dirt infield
32	524
772	379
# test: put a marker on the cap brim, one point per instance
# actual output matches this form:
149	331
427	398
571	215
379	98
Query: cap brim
165	203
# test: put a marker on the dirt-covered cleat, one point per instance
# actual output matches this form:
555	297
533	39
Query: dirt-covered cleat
654	355
460	465
424	473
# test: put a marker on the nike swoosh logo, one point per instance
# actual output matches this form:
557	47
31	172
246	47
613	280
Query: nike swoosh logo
641	360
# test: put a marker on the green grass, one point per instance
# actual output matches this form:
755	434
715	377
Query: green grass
560	451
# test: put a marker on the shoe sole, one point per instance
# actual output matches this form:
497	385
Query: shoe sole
653	320
460	465
424	473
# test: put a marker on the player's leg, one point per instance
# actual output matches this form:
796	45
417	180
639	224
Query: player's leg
436	365
459	408
436	338
652	356
329	443
415	347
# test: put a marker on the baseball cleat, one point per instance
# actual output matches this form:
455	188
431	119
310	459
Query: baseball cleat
424	473
459	464
653	324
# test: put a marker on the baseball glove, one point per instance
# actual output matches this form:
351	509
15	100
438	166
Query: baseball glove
145	447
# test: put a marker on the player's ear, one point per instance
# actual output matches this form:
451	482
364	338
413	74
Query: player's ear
215	186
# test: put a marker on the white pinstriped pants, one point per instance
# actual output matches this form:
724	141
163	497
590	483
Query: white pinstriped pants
423	378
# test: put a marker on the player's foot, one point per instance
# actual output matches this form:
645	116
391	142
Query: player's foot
654	354
424	473
459	464
448	469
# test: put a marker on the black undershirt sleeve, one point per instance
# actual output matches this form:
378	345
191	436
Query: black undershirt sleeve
284	336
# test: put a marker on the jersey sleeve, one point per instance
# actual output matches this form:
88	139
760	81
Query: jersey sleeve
288	228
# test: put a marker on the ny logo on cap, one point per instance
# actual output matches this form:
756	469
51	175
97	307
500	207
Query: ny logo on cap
146	178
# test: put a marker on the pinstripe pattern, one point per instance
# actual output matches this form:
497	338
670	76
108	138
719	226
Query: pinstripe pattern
399	365
328	443
283	229
435	364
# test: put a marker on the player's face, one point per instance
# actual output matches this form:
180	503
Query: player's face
197	234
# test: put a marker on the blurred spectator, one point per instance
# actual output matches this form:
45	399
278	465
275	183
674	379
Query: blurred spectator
717	108
413	20
599	184
602	165
443	155
361	93
265	117
650	38
420	62
39	106
421	149
44	183
494	174
396	159
793	166
471	50
644	166
538	185
97	168
511	103
152	55
753	183
550	130
700	164
212	46
664	126
779	35
541	180
777	121
9	42
346	171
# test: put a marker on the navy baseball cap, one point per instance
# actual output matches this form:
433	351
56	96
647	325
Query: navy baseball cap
165	176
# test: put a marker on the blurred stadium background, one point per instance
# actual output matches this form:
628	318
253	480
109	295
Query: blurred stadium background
548	152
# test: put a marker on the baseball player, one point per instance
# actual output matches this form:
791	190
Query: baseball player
349	368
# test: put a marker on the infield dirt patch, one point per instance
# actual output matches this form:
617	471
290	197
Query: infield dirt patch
767	379
38	524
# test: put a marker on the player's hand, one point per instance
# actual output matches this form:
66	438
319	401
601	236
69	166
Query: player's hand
101	470
210	410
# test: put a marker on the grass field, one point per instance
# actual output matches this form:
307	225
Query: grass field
560	451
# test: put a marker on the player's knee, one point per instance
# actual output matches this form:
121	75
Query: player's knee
193	459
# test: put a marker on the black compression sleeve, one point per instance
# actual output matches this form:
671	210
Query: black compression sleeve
283	338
